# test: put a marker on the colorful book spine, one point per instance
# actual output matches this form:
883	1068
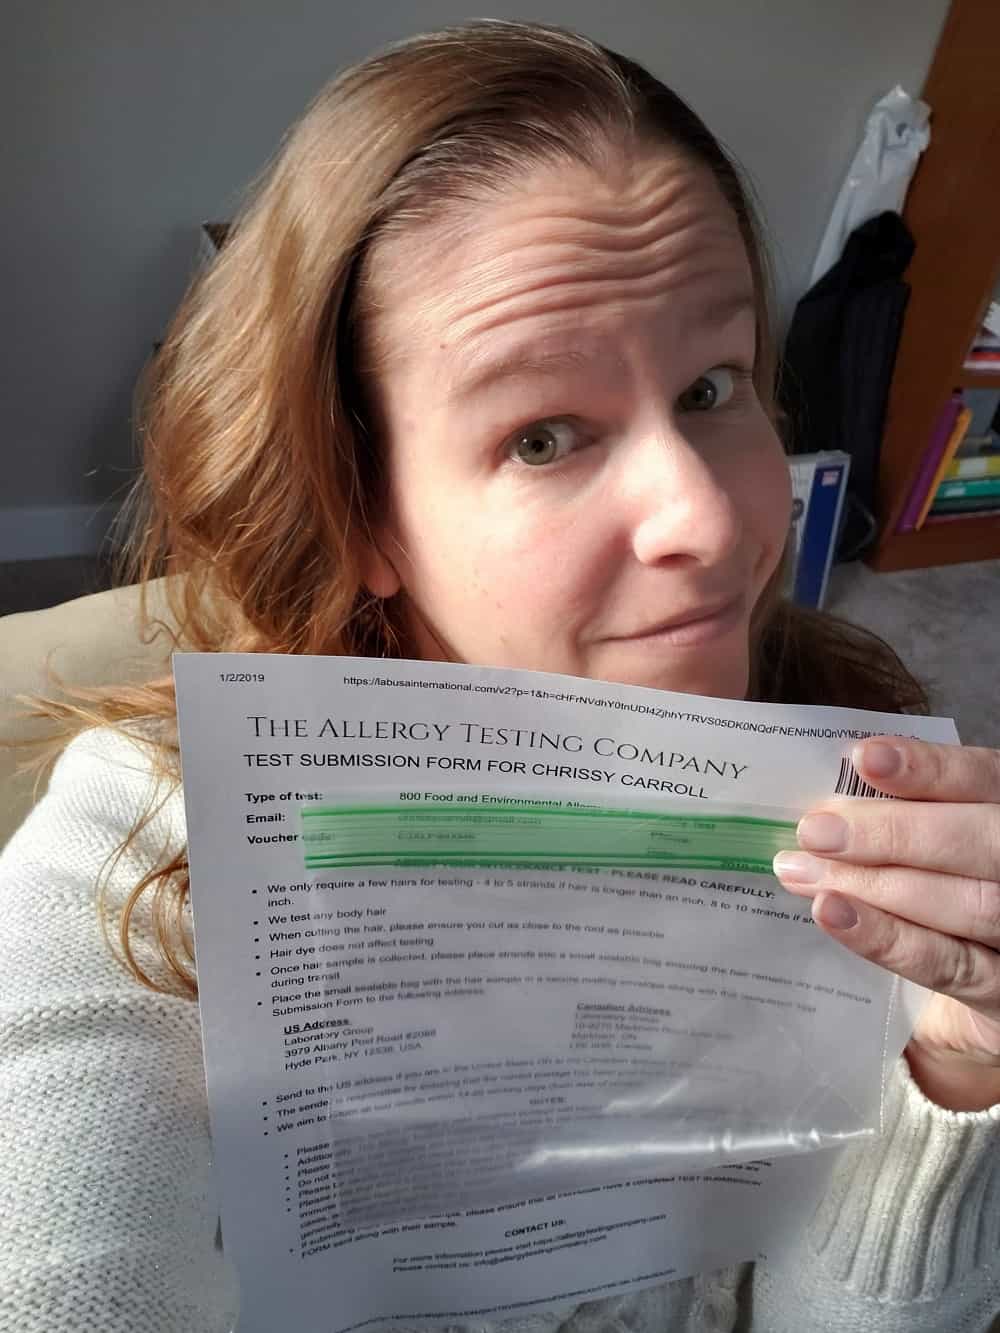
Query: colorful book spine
947	454
961	515
966	504
981	465
928	463
958	490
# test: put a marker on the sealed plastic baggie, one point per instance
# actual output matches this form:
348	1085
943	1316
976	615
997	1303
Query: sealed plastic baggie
544	995
494	979
896	133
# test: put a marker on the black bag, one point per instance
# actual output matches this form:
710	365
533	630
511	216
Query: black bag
838	361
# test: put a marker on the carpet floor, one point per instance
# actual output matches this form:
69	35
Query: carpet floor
945	625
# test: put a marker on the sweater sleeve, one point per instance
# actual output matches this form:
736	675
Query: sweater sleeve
107	1220
906	1239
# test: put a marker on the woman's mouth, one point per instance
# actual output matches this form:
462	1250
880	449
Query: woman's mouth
691	628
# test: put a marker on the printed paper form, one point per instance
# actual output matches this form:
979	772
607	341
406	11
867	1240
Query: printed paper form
344	1001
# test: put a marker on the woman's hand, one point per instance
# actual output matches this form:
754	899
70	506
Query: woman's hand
914	885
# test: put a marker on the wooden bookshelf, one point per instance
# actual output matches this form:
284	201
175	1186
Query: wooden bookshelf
953	211
980	379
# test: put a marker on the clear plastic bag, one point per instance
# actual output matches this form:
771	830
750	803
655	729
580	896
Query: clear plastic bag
555	998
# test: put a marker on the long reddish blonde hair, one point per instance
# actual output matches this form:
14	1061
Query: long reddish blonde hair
260	448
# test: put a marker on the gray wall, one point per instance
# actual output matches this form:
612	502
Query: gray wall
135	121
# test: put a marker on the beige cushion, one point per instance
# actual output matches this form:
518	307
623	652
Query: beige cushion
90	641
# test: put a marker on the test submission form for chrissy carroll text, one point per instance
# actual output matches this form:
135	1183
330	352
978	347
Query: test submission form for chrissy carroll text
502	1007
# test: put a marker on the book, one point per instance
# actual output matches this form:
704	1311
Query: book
961	515
928	463
947	454
985	405
975	465
966	504
821	529
959	490
985	340
975	446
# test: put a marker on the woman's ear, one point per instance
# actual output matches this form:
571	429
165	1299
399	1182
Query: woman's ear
378	573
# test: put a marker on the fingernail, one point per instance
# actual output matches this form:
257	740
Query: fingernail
829	909
822	833
798	867
878	759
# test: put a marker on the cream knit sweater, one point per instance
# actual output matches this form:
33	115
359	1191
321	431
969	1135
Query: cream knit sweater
108	1218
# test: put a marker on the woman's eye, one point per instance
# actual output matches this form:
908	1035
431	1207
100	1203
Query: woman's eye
544	442
713	389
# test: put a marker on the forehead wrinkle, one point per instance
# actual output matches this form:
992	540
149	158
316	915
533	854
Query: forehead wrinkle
617	215
530	257
637	254
558	290
481	363
652	236
614	221
556	275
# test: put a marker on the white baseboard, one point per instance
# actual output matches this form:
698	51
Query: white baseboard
43	531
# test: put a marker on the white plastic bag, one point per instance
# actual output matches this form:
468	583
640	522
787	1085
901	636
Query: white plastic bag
896	134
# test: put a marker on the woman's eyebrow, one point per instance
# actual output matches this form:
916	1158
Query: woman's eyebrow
522	363
534	360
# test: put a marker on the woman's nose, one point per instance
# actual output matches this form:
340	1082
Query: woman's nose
683	508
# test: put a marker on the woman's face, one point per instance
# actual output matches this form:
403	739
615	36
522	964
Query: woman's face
581	477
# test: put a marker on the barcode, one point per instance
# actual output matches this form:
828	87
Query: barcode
851	783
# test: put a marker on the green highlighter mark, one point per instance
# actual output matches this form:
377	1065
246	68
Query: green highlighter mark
538	834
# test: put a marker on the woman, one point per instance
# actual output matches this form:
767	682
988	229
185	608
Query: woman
485	373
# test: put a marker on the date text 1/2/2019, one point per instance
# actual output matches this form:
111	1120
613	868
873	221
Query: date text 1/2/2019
241	677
